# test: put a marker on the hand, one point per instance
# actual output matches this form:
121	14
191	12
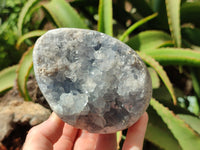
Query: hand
57	135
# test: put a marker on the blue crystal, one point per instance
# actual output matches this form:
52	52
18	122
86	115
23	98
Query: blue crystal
91	80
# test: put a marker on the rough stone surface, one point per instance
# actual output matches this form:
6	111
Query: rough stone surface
17	111
5	125
91	80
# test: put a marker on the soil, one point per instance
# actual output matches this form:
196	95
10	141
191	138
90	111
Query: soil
16	139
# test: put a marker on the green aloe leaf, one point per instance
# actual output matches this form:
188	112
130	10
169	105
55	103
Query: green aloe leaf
7	78
191	35
190	13
23	14
167	44
187	138
25	66
161	138
163	95
154	77
158	133
63	14
119	137
136	25
192	121
195	75
173	13
147	40
36	11
29	35
105	17
175	56
161	72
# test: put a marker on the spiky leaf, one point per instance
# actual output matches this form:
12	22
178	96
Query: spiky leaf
7	78
29	35
23	14
192	121
158	133
186	137
23	71
147	40
63	14
173	13
154	77
105	17
175	56
136	25
161	72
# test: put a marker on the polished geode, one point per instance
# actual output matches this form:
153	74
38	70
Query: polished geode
91	80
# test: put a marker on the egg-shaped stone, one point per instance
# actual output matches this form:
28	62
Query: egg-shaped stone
91	80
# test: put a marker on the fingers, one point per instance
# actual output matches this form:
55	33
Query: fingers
43	136
67	139
135	136
107	142
86	141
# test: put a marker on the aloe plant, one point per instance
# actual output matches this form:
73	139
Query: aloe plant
7	77
166	36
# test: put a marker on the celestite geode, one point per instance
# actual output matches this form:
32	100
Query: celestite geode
91	80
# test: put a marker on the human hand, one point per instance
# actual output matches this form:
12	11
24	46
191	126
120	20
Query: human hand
54	134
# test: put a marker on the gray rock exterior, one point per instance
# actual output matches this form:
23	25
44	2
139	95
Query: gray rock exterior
20	112
91	80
